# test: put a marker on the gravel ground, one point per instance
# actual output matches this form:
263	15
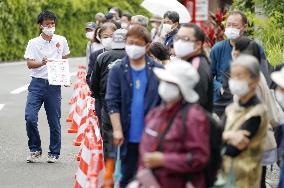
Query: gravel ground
272	176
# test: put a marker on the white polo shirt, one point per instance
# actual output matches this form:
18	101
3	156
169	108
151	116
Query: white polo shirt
38	48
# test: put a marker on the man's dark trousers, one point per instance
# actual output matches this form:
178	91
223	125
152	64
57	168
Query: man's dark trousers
40	92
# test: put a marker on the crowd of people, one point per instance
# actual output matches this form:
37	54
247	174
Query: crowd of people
159	97
181	118
144	82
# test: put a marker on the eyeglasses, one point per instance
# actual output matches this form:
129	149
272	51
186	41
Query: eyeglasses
184	38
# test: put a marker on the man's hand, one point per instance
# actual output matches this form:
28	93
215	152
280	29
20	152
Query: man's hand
118	138
222	91
154	159
44	61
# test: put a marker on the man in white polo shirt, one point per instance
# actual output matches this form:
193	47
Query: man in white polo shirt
38	51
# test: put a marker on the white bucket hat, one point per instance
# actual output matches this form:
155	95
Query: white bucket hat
278	77
184	75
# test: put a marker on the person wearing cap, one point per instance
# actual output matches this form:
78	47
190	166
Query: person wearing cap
93	43
181	122
100	18
132	90
245	123
278	79
139	20
155	24
105	35
98	87
188	45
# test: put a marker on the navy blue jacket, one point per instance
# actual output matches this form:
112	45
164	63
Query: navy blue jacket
119	91
170	38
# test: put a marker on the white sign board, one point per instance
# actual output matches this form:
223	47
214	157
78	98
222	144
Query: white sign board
201	10
58	71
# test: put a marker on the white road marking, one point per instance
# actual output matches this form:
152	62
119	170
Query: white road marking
20	89
1	106
25	87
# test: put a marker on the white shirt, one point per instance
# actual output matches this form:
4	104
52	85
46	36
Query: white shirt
38	48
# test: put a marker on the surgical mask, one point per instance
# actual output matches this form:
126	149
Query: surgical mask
90	35
238	87
167	28
168	92
154	25
124	25
106	42
135	52
232	33
183	48
49	31
280	98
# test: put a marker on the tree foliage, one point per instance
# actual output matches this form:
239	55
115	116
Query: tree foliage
18	21
268	30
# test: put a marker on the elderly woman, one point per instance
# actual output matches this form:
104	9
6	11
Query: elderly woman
245	125
175	144
275	114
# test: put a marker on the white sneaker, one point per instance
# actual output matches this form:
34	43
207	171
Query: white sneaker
52	159
33	156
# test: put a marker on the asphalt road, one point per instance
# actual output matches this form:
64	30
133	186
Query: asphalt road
14	171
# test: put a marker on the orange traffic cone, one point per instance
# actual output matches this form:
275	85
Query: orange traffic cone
80	113
91	120
91	166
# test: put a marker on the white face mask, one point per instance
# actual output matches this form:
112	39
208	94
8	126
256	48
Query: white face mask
49	31
154	25
106	42
183	48
167	28
90	35
232	33
238	87
280	98
168	92
124	25
135	52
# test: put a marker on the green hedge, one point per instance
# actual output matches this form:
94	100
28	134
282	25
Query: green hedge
18	22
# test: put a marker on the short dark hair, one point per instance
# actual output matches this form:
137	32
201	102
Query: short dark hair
243	16
160	51
248	46
46	15
198	32
139	32
172	15
128	16
242	43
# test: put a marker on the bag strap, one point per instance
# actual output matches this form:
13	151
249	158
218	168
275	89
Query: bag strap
184	108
